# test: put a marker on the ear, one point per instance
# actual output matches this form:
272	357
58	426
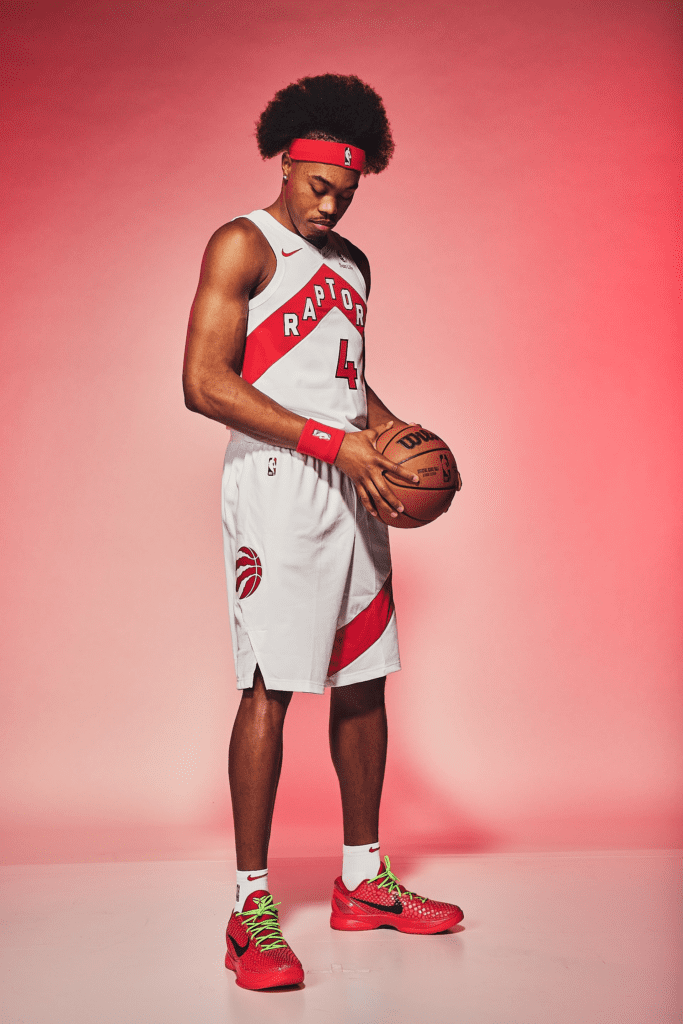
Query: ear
286	165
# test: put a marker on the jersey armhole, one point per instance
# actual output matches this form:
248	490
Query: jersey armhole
345	246
276	279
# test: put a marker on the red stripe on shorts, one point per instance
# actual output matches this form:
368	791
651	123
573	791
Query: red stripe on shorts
360	633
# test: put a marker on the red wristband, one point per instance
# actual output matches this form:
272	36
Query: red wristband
320	441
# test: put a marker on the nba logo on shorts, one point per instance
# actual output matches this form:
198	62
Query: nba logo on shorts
347	157
272	465
248	572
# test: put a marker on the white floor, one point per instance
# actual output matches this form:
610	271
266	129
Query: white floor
575	938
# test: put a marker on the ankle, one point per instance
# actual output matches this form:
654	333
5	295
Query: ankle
359	864
254	880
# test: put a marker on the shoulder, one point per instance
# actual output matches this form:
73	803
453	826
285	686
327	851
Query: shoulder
360	259
237	256
238	239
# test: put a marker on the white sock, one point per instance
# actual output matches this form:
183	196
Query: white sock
248	882
360	862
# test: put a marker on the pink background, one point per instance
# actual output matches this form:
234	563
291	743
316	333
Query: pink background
525	256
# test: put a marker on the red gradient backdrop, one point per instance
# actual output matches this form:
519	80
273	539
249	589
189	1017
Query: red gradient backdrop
524	249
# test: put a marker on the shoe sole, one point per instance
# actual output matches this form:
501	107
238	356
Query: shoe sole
255	980
348	923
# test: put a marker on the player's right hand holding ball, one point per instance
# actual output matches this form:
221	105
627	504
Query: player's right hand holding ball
360	460
424	453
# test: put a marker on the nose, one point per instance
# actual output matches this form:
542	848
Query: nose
328	206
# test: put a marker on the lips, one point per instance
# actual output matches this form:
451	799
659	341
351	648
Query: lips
323	224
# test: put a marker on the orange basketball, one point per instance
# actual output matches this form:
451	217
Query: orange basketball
431	459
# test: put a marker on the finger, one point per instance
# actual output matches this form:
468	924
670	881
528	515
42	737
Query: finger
385	499
379	430
396	470
366	501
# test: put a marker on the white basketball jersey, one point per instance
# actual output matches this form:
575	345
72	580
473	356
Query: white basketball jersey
305	343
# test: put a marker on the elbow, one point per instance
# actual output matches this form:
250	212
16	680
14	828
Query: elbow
195	399
191	399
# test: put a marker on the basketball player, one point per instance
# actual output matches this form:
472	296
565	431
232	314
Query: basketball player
275	351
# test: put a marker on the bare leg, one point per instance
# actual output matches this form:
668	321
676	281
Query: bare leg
358	744
254	764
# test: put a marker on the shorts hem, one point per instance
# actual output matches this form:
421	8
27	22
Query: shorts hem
306	686
290	685
366	674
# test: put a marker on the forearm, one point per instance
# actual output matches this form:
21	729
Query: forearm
378	413
229	399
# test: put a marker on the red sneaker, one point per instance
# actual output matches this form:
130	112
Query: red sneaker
383	900
257	951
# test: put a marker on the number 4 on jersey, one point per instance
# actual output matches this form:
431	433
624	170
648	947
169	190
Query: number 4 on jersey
344	368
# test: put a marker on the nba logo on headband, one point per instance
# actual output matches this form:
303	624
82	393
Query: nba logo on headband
341	154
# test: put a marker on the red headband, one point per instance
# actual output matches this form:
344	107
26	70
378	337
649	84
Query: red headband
316	151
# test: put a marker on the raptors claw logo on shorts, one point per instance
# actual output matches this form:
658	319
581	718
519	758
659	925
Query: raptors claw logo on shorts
248	572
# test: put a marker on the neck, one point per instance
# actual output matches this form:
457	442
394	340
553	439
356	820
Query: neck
279	211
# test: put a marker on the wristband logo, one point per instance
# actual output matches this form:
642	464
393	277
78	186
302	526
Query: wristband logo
249	572
322	435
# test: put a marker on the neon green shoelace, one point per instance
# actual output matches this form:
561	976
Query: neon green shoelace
390	881
266	929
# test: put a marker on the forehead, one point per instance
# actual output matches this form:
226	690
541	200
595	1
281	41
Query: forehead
341	178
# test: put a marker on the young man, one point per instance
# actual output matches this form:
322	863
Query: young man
275	351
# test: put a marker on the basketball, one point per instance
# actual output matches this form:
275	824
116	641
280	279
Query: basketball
430	458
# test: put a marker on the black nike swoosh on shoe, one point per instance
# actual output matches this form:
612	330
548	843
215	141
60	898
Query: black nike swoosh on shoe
395	908
240	950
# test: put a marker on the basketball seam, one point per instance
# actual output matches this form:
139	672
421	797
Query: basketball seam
425	451
392	438
417	487
415	519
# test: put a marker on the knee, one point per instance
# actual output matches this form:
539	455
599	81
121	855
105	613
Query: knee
266	705
358	698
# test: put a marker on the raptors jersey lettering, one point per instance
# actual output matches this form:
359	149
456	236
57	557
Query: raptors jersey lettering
305	343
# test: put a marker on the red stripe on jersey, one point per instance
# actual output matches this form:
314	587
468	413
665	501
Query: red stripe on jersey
356	636
296	318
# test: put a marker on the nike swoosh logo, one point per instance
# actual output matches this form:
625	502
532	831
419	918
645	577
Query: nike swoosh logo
290	253
373	849
252	878
240	950
395	908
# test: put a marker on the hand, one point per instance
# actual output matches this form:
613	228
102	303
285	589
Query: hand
361	461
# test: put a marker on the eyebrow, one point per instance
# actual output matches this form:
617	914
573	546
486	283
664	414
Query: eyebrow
319	177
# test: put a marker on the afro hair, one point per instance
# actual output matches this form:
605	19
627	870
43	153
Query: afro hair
337	108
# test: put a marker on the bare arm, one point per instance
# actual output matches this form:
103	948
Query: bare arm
378	412
237	264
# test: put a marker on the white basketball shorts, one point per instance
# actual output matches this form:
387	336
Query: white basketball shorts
308	573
